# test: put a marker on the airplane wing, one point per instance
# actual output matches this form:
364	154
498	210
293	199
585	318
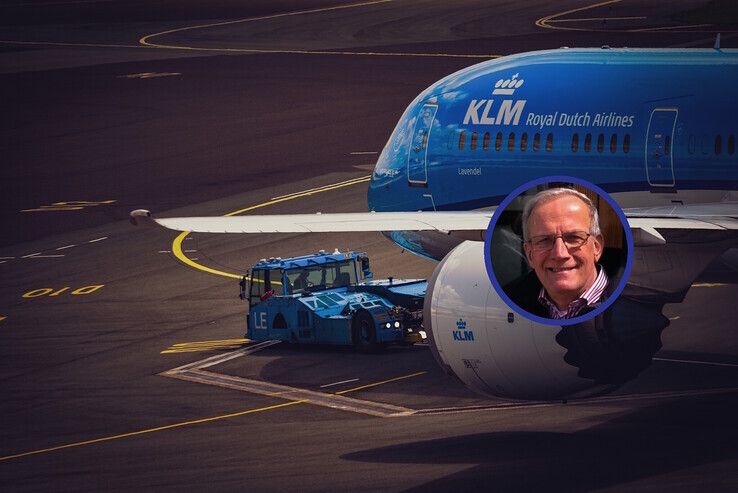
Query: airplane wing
325	223
674	245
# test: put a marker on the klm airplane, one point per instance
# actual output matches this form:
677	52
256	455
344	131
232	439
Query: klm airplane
654	128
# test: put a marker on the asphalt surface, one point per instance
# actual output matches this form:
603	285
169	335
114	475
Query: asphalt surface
102	114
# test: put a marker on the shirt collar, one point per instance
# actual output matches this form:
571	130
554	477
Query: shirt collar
590	296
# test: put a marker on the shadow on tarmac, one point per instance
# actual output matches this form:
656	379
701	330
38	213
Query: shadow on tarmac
657	440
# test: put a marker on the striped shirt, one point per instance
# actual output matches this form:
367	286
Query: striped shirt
590	296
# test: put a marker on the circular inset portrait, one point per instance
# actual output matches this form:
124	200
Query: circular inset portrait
558	250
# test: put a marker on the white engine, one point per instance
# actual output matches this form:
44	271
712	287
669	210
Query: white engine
495	351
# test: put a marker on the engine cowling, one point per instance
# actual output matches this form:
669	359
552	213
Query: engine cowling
495	351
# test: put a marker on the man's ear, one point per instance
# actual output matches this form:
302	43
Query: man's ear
599	246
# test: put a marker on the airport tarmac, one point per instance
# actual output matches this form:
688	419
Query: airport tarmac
122	364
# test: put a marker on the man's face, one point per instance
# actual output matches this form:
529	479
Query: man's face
565	273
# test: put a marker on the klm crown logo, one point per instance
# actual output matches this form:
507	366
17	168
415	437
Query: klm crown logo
461	334
508	86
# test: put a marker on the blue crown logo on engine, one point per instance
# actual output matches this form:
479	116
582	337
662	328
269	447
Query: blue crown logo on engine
461	334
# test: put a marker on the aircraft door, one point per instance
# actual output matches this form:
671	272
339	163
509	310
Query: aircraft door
417	164
659	147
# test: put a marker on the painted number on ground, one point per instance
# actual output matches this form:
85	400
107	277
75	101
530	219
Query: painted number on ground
37	293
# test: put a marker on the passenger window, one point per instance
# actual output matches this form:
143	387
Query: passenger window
549	142
718	145
511	141
473	145
425	139
498	141
667	145
692	144
626	143
587	142
614	143
485	141
536	142
600	142
575	143
731	145
462	140
524	142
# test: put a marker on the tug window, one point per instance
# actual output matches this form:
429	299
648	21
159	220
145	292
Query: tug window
587	142
549	142
575	143
524	142
511	141
626	143
536	142
462	139
600	142
498	141
473	145
485	141
614	143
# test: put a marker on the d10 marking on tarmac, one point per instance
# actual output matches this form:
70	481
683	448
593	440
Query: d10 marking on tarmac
37	293
73	205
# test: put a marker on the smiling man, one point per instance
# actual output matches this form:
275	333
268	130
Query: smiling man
563	243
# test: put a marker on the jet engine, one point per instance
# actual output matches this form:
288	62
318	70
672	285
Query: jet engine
495	351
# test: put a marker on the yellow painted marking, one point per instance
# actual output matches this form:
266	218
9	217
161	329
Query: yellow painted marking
194	422
2	317
369	385
544	21
177	243
194	347
146	40
708	284
587	19
149	75
74	205
150	430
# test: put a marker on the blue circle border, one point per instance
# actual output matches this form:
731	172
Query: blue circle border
488	259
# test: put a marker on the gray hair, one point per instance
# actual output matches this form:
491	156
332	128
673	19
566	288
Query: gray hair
547	195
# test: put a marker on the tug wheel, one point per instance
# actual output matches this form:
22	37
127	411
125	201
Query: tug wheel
364	333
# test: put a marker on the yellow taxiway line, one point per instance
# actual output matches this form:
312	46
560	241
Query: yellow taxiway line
177	243
193	422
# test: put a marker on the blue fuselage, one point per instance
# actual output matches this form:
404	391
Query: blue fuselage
649	126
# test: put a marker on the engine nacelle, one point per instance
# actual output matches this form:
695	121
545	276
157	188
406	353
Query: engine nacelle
495	351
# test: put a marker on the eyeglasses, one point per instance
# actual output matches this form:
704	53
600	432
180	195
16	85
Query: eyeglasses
572	240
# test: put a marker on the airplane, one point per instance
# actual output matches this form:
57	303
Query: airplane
654	128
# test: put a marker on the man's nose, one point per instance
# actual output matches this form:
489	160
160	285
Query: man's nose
559	249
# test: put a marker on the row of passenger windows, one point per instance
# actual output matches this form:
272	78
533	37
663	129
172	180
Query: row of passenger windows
717	145
510	142
536	144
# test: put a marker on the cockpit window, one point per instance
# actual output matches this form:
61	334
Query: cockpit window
319	277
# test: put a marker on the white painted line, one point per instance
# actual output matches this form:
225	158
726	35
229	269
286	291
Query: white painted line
7	258
709	363
164	251
47	256
31	255
338	383
65	247
363	153
98	239
3	261
675	318
190	251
